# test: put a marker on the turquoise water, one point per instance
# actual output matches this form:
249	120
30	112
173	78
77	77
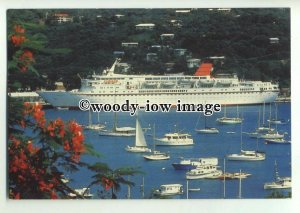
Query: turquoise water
215	145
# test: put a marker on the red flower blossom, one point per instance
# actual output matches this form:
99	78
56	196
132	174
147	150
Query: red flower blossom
53	195
17	40
19	29
107	183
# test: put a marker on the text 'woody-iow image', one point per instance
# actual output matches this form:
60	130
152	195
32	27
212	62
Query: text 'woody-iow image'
148	103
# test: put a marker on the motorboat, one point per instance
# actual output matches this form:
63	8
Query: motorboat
194	189
189	164
84	192
140	141
175	139
247	156
169	190
205	171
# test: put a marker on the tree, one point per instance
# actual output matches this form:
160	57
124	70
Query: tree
40	151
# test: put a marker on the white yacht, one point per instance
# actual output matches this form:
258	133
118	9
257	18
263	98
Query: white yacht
204	171
92	126
112	88
229	120
155	154
118	131
207	129
271	135
247	156
169	190
84	192
175	139
193	163
140	141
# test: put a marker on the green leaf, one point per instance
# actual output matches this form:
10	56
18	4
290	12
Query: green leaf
89	149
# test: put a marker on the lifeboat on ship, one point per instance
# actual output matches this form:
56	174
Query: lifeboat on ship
167	84
150	85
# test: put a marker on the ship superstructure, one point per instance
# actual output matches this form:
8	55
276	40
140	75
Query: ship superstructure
200	88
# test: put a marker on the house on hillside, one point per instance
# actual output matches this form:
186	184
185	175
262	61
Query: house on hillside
123	67
274	40
145	26
130	44
193	63
167	36
61	18
119	54
150	57
180	52
182	11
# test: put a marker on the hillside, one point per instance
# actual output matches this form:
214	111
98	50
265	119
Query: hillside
235	40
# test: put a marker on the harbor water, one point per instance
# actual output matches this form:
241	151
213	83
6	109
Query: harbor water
156	173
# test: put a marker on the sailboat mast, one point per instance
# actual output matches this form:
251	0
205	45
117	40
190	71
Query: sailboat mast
224	186
143	188
187	189
241	136
90	117
263	117
115	122
153	137
276	171
270	116
129	189
240	185
258	122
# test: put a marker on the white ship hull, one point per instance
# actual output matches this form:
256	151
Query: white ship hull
192	96
163	142
209	175
112	88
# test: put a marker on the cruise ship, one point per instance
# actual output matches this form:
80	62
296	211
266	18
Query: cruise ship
200	88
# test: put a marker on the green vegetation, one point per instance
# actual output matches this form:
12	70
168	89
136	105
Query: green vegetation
86	44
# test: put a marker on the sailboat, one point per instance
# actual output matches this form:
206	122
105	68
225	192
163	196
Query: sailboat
271	134
276	120
230	120
207	130
92	126
280	182
156	155
260	129
118	131
247	155
264	128
140	141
